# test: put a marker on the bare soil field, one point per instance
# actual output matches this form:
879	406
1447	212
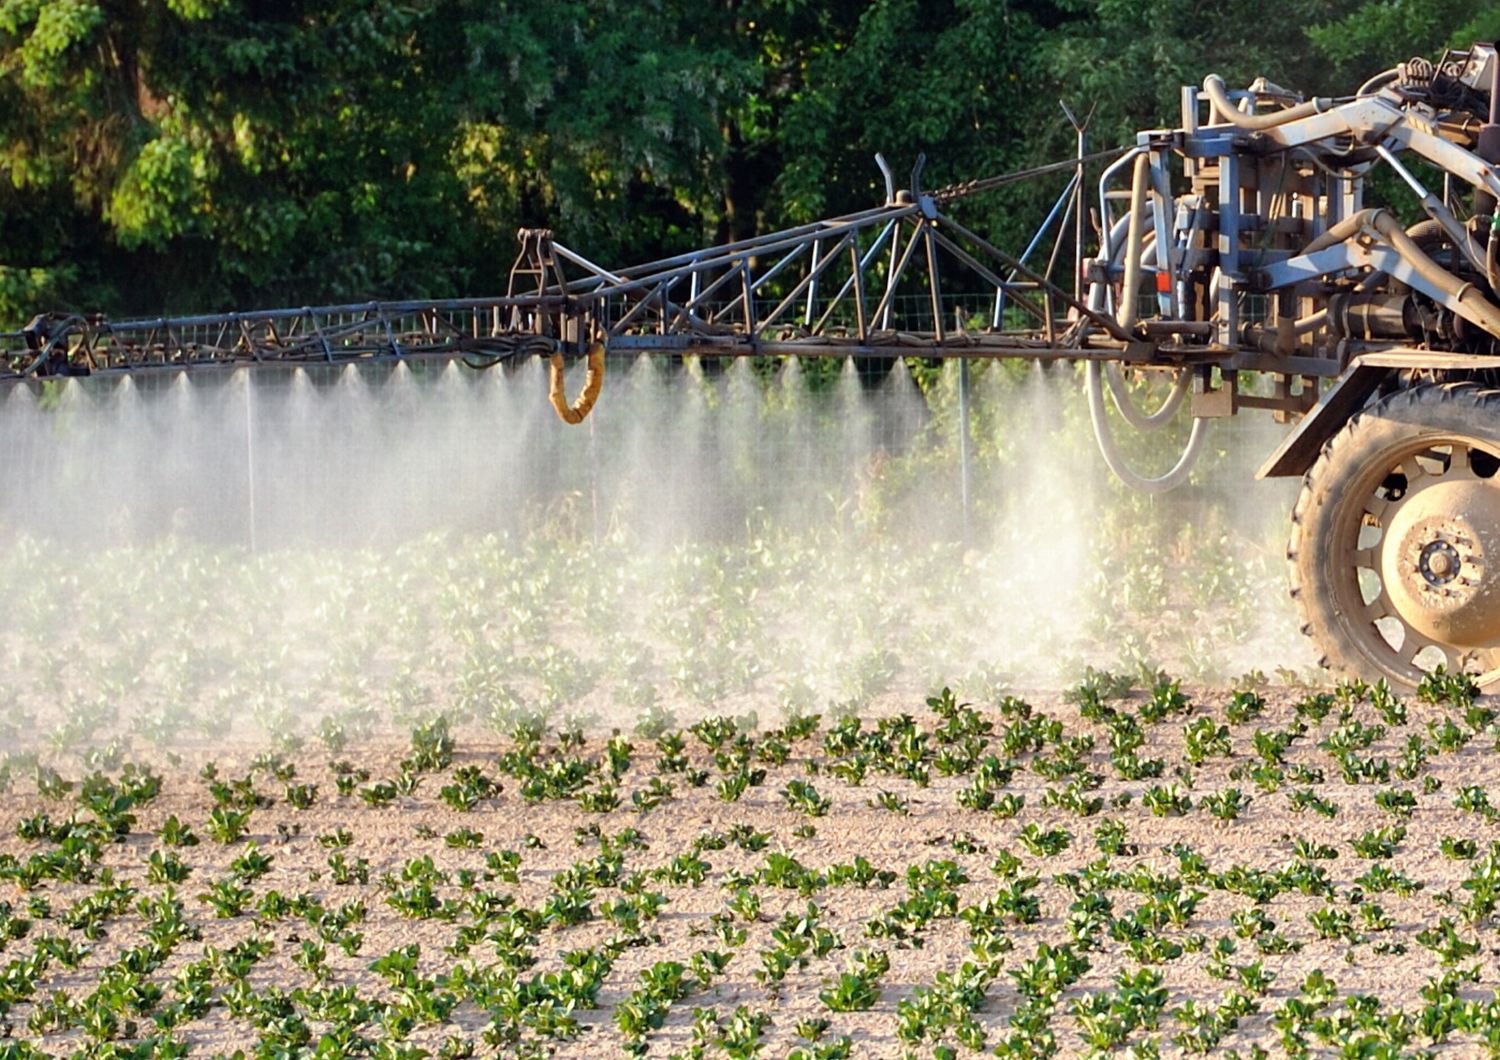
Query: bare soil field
1282	871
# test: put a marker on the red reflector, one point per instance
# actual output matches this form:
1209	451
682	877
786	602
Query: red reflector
1163	282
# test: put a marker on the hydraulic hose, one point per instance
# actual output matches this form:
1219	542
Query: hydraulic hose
1135	255
1310	323
593	381
1179	472
1125	312
1384	224
1144	421
1132	413
1426	231
1379	81
1218	95
1338	232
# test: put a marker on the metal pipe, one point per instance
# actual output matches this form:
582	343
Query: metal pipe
1078	215
963	442
1465	294
1064	198
1433	206
1218	96
1105	221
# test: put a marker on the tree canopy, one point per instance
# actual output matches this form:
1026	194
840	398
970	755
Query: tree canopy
189	155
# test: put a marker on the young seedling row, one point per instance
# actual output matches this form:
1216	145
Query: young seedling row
1244	873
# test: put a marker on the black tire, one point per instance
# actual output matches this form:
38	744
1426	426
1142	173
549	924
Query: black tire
1360	468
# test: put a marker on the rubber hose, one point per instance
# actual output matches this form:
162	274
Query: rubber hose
593	381
1341	231
1218	95
1426	231
1128	409
1132	413
1379	81
1310	323
1098	414
1116	463
1125	312
1385	225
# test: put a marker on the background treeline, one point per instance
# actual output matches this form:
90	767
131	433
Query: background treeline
202	154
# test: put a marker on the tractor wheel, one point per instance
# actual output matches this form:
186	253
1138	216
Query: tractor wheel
1395	547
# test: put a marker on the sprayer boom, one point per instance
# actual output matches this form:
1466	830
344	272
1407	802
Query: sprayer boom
1235	254
1237	242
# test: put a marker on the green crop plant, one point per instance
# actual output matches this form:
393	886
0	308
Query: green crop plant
802	796
1166	698
1044	844
1397	802
227	898
893	802
1244	705
1442	687
1310	850
1307	799
301	796
227	826
1049	972
857	988
656	793
1226	805
1204	739
1444	940
1379	843
731	787
1111	836
1166	801
1458	848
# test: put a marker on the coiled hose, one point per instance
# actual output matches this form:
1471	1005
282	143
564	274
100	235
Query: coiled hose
1115	461
1136	256
593	381
1132	413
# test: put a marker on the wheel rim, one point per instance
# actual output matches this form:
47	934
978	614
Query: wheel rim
1417	559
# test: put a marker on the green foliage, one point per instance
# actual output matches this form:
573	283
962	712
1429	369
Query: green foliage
204	154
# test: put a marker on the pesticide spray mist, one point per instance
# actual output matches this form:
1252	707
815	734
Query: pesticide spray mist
314	551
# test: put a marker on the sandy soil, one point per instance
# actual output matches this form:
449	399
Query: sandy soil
552	834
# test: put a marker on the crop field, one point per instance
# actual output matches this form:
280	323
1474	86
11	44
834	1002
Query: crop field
817	777
483	797
1283	871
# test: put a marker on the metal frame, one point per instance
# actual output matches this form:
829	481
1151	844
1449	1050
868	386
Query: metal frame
831	288
1267	176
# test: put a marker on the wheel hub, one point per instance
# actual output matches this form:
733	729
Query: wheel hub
1440	562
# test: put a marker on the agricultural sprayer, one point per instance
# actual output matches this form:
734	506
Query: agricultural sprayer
1233	255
